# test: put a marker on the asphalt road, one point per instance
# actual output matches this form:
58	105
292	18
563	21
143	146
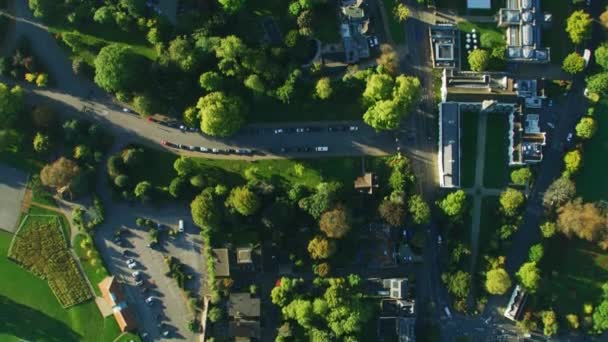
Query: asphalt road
71	94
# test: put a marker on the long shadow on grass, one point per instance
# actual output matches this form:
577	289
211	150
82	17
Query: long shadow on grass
32	325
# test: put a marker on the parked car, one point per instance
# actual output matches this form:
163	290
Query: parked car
203	149
321	149
353	128
192	148
279	131
151	119
131	263
126	110
215	150
569	137
180	226
301	130
550	124
150	301
136	274
164	142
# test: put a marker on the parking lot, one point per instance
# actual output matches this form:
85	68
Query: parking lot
168	311
12	188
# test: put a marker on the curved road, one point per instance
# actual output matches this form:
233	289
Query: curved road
71	94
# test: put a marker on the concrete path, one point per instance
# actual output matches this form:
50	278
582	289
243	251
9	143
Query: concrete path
12	189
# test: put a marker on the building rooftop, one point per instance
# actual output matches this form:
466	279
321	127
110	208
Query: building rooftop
243	330
221	262
449	145
242	305
366	183
523	22
445	45
243	255
111	292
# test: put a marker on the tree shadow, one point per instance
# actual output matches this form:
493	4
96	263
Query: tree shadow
32	325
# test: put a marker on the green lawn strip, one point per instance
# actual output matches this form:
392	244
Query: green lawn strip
468	148
127	337
308	172
573	273
95	273
30	310
592	183
397	29
496	171
488	225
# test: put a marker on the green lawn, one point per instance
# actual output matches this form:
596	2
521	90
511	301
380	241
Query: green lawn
95	273
573	273
468	148
592	183
397	29
496	171
489	31
307	171
488	225
30	311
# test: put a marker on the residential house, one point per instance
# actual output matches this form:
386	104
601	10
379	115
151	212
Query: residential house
112	294
353	29
244	313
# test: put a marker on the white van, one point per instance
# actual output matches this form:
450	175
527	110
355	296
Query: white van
180	226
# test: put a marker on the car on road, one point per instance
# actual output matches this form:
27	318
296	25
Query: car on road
279	131
151	119
215	150
550	124
243	151
550	104
569	137
126	110
203	149
353	128
192	148
180	226
321	149
372	41
337	128
302	130
285	149
439	241
164	142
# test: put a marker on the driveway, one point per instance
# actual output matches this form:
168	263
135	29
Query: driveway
171	303
12	189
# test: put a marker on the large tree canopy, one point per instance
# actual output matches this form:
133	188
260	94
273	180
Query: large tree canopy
479	60
205	212
529	276
578	26
497	281
573	63
559	192
60	173
221	115
243	200
510	201
117	68
11	103
454	204
335	223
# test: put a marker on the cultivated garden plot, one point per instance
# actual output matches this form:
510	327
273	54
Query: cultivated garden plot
40	247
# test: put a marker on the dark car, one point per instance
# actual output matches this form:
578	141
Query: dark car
314	129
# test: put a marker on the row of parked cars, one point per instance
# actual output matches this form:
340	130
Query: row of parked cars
241	151
307	129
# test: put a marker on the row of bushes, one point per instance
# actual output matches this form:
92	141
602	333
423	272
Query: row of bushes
98	216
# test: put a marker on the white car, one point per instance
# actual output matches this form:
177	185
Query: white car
550	124
439	239
149	300
180	226
299	130
203	149
126	110
353	128
136	274
321	149
278	131
131	263
215	150
569	137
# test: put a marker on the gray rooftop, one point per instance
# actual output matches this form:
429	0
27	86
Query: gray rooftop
449	145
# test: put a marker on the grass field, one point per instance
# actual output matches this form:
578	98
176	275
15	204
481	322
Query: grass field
496	171
591	182
468	148
488	225
30	311
95	273
308	172
488	31
396	28
573	273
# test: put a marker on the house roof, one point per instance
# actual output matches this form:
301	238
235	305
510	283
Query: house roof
243	305
479	4
113	295
365	183
243	329
221	262
243	256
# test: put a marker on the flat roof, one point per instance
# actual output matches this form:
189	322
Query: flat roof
221	262
450	145
243	305
479	4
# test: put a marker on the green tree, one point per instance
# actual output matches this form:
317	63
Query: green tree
205	212
598	83
335	223
549	323
114	166
559	192
378	87
104	15
184	166
178	187
383	115
419	209
243	200
459	283
548	229
323	88
322	200
83	153
191	117
60	173
521	176
132	157
401	12
232	6
573	161
182	52
43	8
42	143
497	281
573	63
392	213
321	248
536	253
117	68
529	276
479	59
211	81
121	181
454	204
600	316
601	55
255	83
221	115
215	314
586	128
510	201
406	92
301	311
144	104
11	104
287	289
143	190
578	26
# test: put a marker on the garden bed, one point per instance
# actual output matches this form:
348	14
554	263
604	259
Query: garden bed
40	247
